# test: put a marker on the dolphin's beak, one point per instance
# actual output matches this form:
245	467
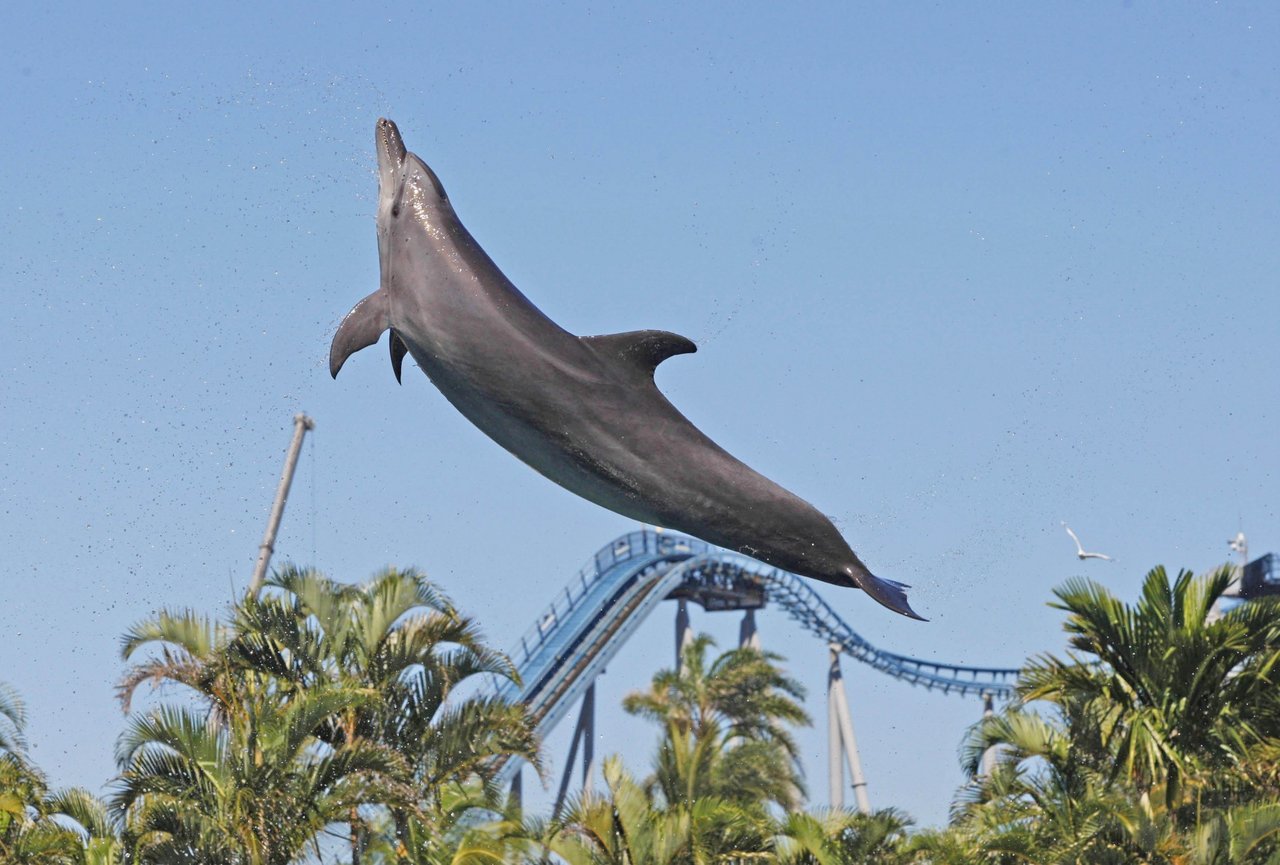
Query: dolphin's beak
391	152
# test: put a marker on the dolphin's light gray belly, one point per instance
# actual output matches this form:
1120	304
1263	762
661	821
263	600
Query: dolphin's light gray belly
646	462
543	435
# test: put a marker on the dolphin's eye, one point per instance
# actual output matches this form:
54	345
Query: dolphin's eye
395	202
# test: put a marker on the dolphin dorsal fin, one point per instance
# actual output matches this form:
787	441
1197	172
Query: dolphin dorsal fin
642	350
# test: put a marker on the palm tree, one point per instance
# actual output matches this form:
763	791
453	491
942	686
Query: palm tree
1154	697
388	638
38	827
1173	696
28	833
726	727
253	789
840	837
625	826
726	751
1049	797
88	816
463	828
1243	835
391	653
400	639
13	721
223	780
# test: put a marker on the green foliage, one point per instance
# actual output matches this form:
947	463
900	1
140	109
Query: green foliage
626	826
255	789
839	837
319	703
327	709
1173	694
726	766
725	728
13	721
1159	742
1236	836
39	827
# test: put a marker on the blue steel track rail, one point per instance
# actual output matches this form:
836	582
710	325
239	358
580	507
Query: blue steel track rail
602	605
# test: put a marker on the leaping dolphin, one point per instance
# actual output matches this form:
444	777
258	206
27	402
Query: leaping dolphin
583	411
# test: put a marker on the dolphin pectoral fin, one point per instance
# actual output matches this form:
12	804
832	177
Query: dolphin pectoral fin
398	351
641	350
360	329
890	593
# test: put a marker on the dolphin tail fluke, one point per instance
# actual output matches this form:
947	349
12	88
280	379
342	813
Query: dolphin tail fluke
360	329
890	593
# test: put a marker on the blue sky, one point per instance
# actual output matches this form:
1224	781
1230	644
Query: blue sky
957	272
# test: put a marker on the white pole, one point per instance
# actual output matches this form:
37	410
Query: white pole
989	755
835	766
301	423
839	705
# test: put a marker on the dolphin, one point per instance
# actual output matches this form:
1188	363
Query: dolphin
582	411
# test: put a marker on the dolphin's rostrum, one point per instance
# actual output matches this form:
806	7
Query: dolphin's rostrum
583	411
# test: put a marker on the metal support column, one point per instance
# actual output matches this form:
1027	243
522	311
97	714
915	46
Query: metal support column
988	756
588	735
684	631
301	423
584	732
748	636
841	741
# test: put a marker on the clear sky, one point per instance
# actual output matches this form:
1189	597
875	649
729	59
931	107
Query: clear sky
957	272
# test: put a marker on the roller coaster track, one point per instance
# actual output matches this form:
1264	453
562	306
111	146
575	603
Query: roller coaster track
603	604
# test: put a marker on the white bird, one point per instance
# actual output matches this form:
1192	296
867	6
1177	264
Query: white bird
1080	553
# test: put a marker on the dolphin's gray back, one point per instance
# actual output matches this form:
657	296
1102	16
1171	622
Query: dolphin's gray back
584	412
604	431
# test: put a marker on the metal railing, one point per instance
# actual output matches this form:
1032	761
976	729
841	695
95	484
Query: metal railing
651	554
805	606
630	546
588	621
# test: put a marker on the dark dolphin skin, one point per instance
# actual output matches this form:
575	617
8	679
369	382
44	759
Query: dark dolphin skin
583	411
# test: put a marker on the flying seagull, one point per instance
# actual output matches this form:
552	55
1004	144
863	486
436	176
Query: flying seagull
1080	553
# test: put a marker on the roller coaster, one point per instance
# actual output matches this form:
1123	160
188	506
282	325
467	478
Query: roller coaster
586	624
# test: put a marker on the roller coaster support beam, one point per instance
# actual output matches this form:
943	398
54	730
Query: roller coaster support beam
989	755
584	732
841	741
684	631
748	636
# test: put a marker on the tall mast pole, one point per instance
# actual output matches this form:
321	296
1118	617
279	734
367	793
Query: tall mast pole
301	423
